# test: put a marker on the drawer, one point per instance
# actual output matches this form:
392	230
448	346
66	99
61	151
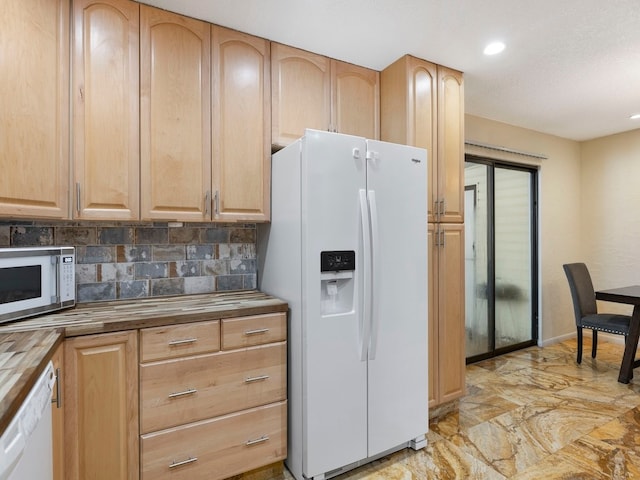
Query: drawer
217	448
253	330
173	341
185	390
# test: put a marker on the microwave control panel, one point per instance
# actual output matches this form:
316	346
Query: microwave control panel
67	277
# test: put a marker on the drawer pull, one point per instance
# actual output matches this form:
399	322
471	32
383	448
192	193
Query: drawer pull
264	438
256	331
256	379
190	391
175	464
182	342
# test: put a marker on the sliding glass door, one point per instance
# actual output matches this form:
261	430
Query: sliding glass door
500	257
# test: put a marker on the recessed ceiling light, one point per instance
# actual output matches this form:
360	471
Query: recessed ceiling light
635	116
493	48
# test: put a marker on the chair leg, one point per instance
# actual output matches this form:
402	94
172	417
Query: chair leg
594	344
579	359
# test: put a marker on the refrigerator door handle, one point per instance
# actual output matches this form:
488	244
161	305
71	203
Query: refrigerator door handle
365	322
375	278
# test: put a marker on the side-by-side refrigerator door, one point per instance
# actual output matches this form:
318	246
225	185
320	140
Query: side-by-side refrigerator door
335	375
397	194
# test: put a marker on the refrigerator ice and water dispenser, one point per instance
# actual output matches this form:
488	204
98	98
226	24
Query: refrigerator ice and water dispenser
336	281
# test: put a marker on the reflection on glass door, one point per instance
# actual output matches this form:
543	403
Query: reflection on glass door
500	293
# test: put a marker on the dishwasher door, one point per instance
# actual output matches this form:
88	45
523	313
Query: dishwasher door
26	446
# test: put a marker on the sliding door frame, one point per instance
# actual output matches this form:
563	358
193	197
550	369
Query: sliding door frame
492	164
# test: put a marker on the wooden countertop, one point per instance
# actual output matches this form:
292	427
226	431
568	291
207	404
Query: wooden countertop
103	317
27	345
23	357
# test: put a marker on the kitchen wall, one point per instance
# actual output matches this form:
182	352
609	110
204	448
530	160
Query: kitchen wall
119	260
560	204
610	211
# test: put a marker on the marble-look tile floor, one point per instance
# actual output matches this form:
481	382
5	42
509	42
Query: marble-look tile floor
531	414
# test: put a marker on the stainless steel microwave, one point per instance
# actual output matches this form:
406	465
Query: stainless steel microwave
36	280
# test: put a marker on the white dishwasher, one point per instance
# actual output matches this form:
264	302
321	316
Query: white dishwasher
26	446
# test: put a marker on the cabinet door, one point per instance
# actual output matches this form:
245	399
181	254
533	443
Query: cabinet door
101	411
450	145
106	109
355	104
423	121
300	92
34	117
241	126
409	113
175	116
450	304
432	332
57	414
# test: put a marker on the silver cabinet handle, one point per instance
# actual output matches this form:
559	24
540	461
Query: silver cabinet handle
175	464
263	438
58	400
216	203
182	342
256	331
256	379
78	200
207	203
190	391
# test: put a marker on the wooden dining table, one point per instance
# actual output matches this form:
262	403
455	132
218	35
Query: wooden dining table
630	296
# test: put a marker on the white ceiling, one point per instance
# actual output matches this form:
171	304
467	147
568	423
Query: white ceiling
571	67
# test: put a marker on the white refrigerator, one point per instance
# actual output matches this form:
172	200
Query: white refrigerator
347	248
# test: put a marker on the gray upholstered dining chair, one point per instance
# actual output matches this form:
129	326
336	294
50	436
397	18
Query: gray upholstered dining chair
586	310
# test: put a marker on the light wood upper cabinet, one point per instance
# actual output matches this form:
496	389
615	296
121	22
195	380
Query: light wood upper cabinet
300	92
355	104
101	410
450	145
241	126
446	313
175	116
312	91
106	109
409	112
422	105
34	117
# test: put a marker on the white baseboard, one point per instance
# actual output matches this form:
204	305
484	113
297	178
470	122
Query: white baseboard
602	337
551	341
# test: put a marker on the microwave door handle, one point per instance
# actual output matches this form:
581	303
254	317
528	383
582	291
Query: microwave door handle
55	261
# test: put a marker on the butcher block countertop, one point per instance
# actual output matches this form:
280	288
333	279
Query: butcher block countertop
23	357
27	345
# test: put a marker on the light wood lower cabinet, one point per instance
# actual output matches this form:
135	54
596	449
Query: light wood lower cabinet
57	414
217	448
172	341
188	389
101	407
217	414
446	313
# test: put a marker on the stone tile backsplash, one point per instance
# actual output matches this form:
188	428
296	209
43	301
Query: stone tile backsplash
119	260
